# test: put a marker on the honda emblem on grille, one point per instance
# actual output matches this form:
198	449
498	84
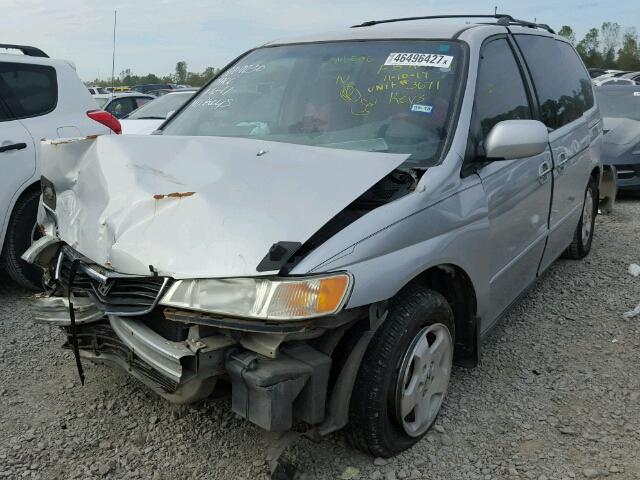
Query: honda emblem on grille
104	288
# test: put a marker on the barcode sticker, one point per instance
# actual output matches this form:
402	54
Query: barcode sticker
419	60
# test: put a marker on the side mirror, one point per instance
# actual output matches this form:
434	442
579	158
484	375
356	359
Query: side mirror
512	139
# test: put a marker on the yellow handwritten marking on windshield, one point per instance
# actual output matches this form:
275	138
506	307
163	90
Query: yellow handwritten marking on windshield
350	94
399	68
404	84
419	75
352	59
396	98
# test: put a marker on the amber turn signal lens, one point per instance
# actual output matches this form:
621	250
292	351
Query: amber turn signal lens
331	293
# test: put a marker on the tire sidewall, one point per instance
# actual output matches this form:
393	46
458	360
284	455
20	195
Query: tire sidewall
586	248
19	238
427	313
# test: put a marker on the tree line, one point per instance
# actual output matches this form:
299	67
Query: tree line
608	47
182	76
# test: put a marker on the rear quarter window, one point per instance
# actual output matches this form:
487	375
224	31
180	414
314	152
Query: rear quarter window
561	81
28	90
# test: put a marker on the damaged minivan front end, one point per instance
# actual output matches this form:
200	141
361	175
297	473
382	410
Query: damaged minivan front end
149	326
271	336
284	233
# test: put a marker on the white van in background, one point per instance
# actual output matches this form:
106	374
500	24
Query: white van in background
39	98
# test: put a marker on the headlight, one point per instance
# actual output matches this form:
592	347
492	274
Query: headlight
262	298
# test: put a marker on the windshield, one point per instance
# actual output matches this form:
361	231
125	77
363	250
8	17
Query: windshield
619	102
101	101
161	106
385	96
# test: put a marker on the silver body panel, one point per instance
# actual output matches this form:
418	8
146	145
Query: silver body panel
576	152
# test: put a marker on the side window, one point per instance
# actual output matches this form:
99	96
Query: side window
560	79
28	90
500	91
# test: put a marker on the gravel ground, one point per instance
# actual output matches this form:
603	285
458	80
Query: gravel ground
556	397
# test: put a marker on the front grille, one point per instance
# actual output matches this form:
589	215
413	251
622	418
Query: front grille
112	292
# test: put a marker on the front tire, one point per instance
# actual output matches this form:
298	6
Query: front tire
583	236
21	232
404	375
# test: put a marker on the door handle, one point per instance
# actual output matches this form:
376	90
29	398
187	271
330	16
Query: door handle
543	171
14	146
563	159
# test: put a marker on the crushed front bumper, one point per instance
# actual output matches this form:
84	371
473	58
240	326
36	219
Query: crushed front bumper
270	392
276	375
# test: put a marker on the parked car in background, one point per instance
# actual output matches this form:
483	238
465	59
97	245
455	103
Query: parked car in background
122	104
39	98
154	86
150	116
599	72
161	92
610	80
97	90
612	73
329	221
620	107
596	72
633	76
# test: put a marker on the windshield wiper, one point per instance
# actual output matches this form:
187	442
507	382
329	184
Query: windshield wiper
147	118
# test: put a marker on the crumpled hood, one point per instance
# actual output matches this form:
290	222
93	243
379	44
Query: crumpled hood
195	207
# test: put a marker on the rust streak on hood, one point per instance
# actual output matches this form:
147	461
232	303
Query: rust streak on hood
160	196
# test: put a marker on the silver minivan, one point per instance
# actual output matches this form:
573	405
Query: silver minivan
328	224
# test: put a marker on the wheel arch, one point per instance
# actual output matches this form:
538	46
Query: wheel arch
453	283
448	279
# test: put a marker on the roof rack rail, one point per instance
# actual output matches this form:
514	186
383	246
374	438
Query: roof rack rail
25	49
502	19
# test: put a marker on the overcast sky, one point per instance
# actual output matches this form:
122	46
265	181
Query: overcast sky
152	36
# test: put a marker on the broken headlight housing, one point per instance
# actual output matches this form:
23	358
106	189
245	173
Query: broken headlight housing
286	299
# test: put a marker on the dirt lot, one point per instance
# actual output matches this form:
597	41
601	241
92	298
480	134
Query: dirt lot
556	397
